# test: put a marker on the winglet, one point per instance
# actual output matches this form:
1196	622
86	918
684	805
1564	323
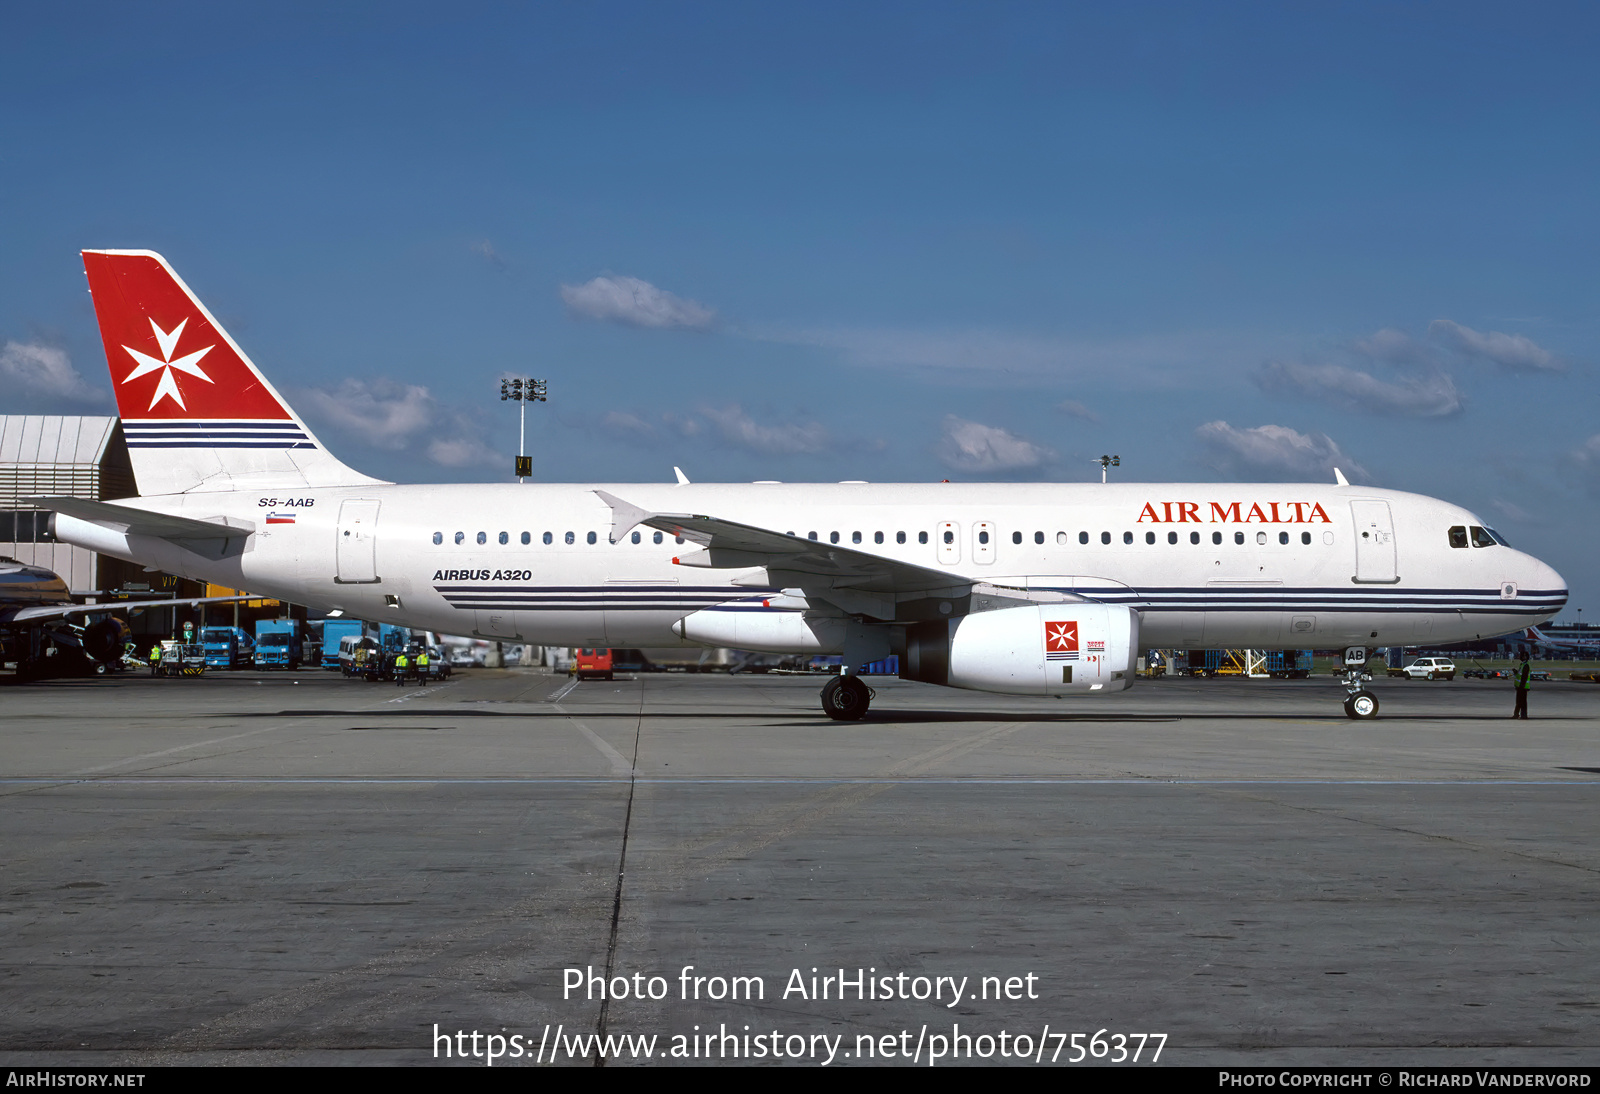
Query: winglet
625	516
1339	479
683	480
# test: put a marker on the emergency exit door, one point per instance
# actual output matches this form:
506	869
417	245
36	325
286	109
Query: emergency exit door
356	554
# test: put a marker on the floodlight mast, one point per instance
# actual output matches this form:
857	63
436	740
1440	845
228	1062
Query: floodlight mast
1105	462
523	390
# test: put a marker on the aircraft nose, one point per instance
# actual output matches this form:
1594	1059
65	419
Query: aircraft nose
1542	581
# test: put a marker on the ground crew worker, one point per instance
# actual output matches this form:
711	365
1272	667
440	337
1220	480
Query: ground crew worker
422	665
1522	676
155	659
401	663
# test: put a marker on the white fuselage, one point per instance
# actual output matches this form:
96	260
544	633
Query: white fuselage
1275	565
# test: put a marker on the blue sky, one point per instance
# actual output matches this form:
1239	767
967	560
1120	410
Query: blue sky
878	241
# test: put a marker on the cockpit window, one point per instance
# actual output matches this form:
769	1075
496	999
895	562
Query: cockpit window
1498	538
1458	536
1481	537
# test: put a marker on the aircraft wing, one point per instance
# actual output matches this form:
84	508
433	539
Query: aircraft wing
855	581
45	612
139	522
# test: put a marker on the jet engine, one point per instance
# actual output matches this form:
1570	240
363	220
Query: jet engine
103	640
1041	649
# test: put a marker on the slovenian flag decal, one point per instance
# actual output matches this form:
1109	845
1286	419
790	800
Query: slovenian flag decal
280	518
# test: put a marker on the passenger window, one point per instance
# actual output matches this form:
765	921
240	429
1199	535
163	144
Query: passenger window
1481	538
949	537
1105	537
922	537
1016	537
983	537
1172	537
1083	537
677	539
1216	537
571	539
1283	537
833	537
811	535
1261	537
1458	536
1061	539
460	536
1149	537
636	537
1038	537
505	538
591	538
548	539
1305	538
483	537
526	538
877	537
1194	537
899	537
438	538
855	537
1127	537
656	538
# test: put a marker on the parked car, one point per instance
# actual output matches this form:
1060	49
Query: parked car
1431	668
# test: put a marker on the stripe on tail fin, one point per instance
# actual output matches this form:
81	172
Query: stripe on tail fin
198	414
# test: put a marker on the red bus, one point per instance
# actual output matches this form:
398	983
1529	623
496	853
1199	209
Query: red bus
593	664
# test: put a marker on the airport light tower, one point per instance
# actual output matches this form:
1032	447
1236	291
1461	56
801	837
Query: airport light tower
523	390
1105	462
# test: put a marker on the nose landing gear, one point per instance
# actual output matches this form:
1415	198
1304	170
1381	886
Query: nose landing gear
845	698
1360	704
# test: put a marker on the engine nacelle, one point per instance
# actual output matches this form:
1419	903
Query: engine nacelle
1041	649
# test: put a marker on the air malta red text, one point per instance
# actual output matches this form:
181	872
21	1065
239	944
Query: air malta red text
1275	512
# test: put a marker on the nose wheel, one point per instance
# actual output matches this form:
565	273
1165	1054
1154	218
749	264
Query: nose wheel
1361	706
845	698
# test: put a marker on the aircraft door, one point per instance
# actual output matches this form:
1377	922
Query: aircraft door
356	556
1375	547
949	535
983	534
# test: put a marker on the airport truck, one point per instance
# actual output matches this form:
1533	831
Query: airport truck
227	647
334	631
278	644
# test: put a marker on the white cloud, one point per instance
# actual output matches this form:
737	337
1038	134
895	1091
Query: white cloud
1431	396
1511	351
45	370
973	446
384	413
1586	460
636	303
394	416
738	429
1274	453
1077	410
463	452
627	426
1396	347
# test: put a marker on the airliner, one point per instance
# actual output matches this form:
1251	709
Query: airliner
1045	589
36	608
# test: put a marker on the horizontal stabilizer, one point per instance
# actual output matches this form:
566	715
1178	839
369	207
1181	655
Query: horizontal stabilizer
141	522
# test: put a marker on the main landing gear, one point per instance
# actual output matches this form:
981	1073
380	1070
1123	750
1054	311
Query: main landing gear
1360	704
845	698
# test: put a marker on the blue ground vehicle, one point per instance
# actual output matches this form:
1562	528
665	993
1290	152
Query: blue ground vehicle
332	631
278	644
227	647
